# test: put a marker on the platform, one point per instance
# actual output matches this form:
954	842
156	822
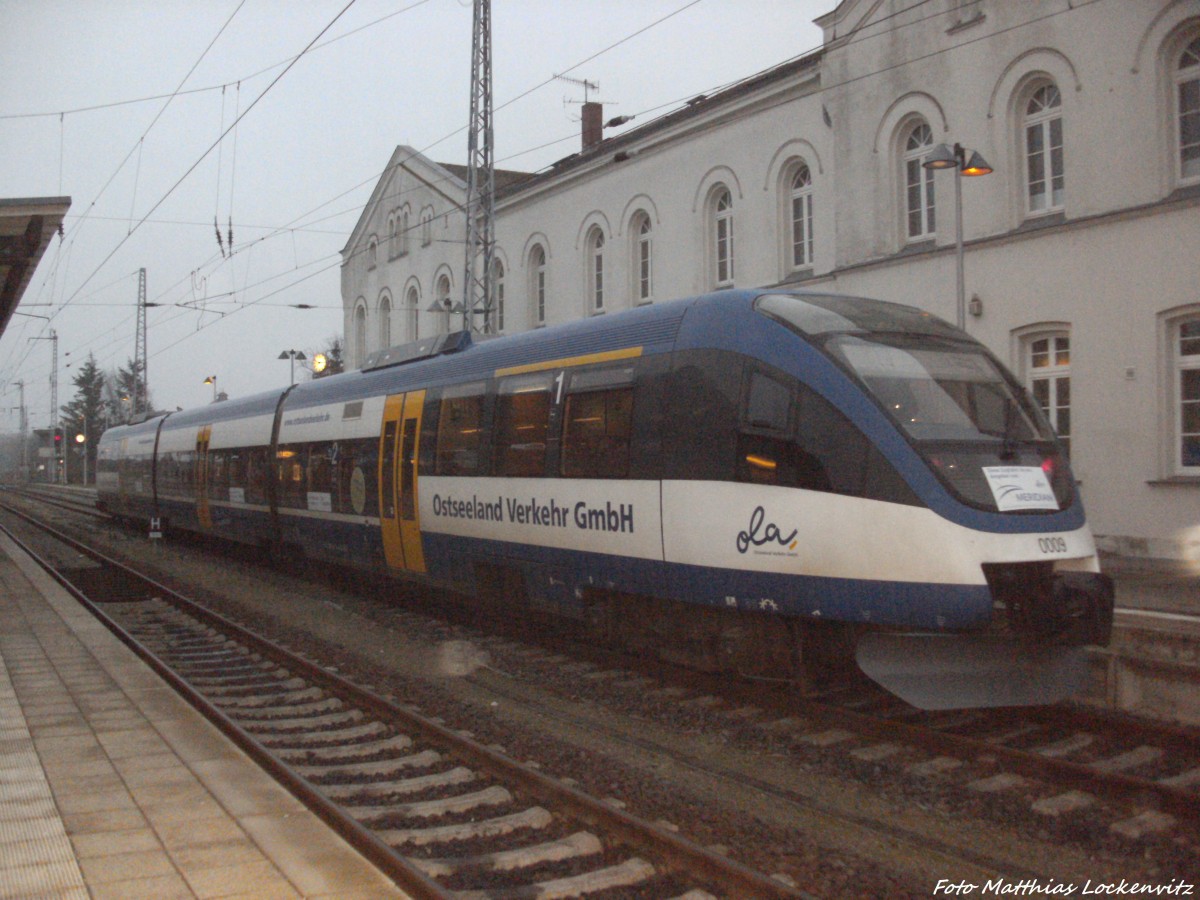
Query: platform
113	786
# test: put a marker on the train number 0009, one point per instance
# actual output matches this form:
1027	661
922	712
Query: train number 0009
1052	544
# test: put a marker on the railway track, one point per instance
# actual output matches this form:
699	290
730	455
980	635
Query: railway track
1093	780
442	814
1131	778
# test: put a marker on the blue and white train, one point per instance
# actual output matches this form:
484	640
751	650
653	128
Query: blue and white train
755	475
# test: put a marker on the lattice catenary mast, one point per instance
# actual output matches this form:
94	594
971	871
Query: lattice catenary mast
138	400
481	180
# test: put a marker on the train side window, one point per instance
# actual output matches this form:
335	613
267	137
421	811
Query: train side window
256	475
319	480
702	415
289	473
235	473
356	465
522	424
767	451
460	431
767	403
598	424
218	474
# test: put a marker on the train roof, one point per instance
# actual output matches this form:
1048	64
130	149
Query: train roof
653	329
715	320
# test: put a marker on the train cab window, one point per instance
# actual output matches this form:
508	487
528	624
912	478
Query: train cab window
790	436
522	423
849	462
598	424
460	431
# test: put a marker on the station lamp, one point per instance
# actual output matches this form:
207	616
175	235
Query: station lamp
946	157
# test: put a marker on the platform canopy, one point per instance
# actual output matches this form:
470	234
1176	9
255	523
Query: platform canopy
26	226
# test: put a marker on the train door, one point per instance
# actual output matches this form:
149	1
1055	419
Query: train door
203	513
398	509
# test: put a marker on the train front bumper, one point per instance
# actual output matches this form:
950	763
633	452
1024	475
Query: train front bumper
1034	654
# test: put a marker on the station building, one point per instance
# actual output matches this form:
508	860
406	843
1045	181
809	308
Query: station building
1080	250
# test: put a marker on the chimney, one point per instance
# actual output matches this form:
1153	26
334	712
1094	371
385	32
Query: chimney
593	124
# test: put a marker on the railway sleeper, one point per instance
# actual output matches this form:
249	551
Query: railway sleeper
443	806
310	697
377	790
396	743
326	738
285	722
534	818
575	846
319	774
217	685
628	874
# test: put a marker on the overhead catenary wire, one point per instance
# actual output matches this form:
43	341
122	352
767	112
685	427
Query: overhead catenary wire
294	225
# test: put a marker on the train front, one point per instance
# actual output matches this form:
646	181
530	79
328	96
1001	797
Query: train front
980	454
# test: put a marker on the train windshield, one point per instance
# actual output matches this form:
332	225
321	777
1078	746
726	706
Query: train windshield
956	404
938	392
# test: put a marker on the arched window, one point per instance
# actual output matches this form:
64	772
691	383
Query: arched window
496	319
412	309
360	335
385	321
1044	169
918	184
1187	90
802	218
402	233
722	236
1184	349
443	301
595	270
372	252
393	237
1048	372
537	284
643	258
426	228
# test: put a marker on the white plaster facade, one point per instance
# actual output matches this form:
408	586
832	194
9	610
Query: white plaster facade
1090	286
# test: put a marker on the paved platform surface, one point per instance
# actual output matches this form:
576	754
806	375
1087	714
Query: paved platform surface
1162	585
111	786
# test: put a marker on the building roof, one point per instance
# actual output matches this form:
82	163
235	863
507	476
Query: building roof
26	226
505	178
694	108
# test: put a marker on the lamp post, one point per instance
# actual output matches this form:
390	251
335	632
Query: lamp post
82	440
293	355
944	157
212	379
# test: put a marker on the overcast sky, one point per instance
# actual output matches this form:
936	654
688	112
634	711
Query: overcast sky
86	111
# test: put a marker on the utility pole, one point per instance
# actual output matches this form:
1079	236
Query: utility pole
481	178
140	362
57	448
24	431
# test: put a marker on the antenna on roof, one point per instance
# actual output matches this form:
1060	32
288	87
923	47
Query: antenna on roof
582	82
